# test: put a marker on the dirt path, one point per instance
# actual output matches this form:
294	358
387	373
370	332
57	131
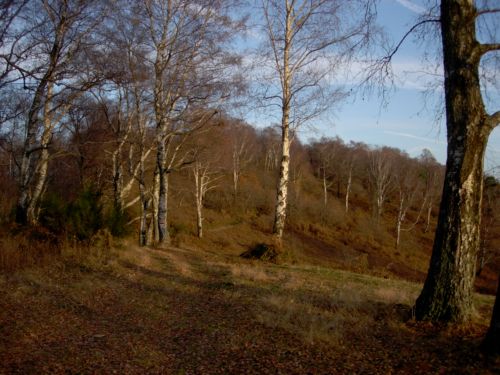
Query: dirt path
176	311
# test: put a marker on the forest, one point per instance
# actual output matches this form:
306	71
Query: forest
149	226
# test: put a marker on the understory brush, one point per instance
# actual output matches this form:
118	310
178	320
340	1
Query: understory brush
22	248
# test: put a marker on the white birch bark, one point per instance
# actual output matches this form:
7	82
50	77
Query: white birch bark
204	181
348	189
301	35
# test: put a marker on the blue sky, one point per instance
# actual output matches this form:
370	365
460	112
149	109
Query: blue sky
405	122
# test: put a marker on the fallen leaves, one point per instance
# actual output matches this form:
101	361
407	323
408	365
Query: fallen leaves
147	317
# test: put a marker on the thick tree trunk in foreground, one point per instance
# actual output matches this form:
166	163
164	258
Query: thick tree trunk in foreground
491	343
447	292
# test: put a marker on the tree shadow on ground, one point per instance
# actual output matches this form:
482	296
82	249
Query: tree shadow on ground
184	312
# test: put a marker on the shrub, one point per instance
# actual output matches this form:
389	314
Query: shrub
85	214
53	214
116	222
262	251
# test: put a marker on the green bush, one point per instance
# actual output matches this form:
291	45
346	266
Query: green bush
53	214
82	218
85	214
116	222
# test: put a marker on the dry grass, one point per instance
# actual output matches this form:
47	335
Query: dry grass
329	320
178	310
253	273
36	247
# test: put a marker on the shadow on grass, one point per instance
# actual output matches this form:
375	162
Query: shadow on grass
189	315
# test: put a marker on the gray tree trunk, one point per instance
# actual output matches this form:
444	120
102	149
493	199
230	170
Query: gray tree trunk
163	235
447	292
144	201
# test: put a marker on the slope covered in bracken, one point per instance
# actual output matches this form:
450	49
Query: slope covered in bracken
182	310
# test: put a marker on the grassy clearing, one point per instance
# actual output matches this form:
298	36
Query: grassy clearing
135	310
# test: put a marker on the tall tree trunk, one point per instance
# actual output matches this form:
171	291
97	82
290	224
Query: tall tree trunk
447	292
198	181
153	232
117	179
236	170
23	210
428	219
42	167
163	235
325	189
26	171
143	235
348	191
282	190
143	229
400	218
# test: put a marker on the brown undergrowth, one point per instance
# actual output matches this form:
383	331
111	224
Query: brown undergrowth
195	312
27	247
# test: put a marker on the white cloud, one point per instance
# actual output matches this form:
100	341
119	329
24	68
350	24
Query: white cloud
407	74
415	8
412	136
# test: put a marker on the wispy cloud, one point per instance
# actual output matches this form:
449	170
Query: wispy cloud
412	136
407	74
415	8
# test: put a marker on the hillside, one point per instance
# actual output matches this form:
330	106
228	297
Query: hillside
179	310
322	236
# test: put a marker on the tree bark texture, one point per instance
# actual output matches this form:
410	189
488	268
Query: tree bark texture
447	292
282	189
163	235
286	80
143	235
27	171
199	191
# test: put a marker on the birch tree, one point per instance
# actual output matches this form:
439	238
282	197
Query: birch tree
381	179
324	155
125	101
241	138
58	70
432	178
205	177
407	187
349	163
186	40
306	43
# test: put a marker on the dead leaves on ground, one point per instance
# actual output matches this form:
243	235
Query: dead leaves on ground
140	315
